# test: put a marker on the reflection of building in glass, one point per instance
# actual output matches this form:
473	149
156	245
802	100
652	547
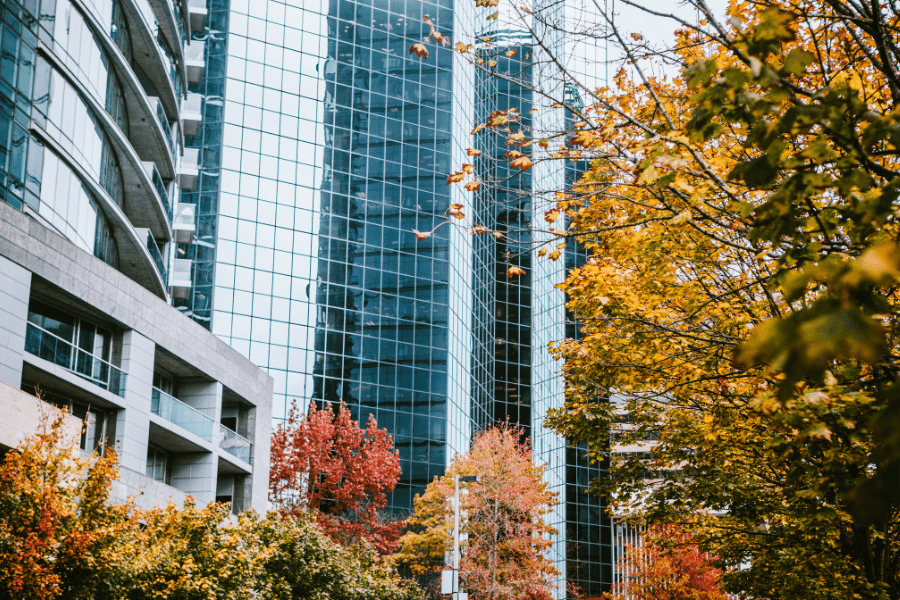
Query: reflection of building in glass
92	119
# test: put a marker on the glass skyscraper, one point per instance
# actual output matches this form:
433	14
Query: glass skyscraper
324	144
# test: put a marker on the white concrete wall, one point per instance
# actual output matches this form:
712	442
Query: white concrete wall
24	414
15	287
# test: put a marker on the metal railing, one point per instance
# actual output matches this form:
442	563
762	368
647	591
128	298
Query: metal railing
157	257
61	352
175	411
235	444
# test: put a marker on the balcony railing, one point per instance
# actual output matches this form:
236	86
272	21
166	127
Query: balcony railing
61	352
235	444
158	260
160	188
164	123
175	411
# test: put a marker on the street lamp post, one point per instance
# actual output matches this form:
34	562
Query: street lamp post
450	579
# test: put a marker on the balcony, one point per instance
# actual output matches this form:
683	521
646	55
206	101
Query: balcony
160	187
163	121
189	169
153	249
61	352
192	113
187	417
235	444
197	12
180	281
194	60
184	223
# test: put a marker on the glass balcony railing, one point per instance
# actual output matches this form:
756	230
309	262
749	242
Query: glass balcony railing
235	444
157	257
175	411
164	123
61	352
160	187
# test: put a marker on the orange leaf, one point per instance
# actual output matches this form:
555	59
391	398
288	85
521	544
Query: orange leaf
511	53
479	229
522	162
473	186
513	271
419	50
468	169
421	235
455	177
551	215
473	152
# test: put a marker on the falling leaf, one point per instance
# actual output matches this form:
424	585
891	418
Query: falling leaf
419	50
421	235
513	271
456	177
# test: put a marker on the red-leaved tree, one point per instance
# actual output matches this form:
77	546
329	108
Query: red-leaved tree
326	464
668	566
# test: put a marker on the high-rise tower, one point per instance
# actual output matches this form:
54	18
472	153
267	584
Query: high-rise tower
324	144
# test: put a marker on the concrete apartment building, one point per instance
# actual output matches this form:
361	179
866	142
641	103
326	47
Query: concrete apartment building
93	114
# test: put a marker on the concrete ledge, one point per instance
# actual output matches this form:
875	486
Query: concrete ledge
24	414
145	492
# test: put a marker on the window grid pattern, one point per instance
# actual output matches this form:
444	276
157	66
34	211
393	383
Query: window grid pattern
209	141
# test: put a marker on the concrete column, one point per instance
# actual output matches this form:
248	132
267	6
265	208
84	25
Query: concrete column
15	289
133	423
196	474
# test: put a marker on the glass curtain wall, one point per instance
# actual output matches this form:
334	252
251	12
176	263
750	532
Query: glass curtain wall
336	144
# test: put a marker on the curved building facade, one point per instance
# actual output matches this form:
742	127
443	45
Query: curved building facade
94	181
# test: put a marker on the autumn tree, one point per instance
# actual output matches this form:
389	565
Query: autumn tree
667	565
740	298
325	463
60	536
505	555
